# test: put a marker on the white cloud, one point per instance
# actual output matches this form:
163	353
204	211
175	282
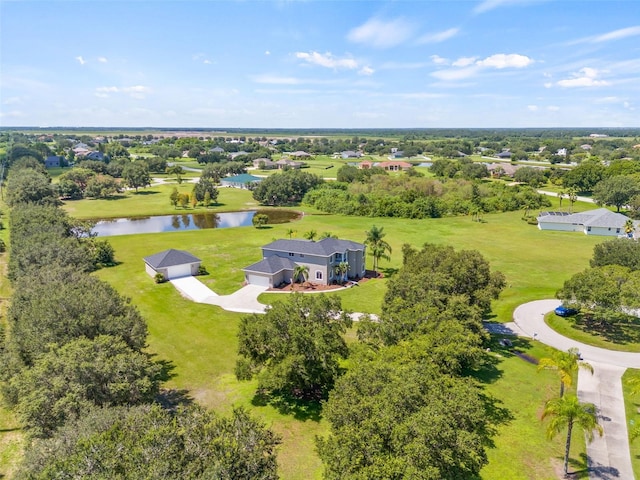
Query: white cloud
610	36
12	101
438	60
81	60
327	60
267	52
501	60
456	73
102	59
207	62
439	36
586	77
135	91
487	5
404	65
382	33
275	80
608	100
366	70
553	108
464	61
532	108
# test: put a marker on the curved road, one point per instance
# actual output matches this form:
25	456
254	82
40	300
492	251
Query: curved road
608	456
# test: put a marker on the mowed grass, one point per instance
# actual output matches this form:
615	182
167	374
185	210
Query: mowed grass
200	340
571	327
632	410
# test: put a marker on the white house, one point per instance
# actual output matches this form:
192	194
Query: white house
593	222
172	264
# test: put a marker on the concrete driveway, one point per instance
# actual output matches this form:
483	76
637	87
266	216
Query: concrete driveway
608	456
244	300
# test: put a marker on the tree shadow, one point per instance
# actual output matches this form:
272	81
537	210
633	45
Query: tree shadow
170	399
389	271
167	368
146	192
301	409
623	330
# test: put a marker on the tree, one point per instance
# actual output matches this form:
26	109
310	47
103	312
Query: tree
567	412
149	442
290	232
295	349
300	272
67	381
585	176
395	415
572	195
285	188
566	364
341	270
378	247
29	186
311	235
102	186
532	176
619	251
204	186
136	175
617	190
207	199
174	197
259	220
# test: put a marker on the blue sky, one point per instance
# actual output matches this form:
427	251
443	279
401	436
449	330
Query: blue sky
312	64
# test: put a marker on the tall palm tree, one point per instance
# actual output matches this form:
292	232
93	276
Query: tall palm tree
572	195
628	228
300	271
566	364
311	235
568	412
290	232
561	195
378	247
327	235
342	269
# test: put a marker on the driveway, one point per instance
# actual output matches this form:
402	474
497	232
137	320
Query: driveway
244	300
608	456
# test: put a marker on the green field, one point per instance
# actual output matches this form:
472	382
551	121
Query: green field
632	408
569	328
200	340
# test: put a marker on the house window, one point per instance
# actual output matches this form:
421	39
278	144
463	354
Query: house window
588	229
301	255
617	230
318	275
290	254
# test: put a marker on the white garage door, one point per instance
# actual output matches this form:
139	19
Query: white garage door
258	280
178	271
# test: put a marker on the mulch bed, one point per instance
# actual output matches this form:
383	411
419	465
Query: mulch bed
315	287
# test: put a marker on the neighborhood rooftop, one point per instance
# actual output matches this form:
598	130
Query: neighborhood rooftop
272	264
169	258
600	217
324	247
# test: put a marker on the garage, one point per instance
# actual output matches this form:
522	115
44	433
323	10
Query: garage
172	264
255	279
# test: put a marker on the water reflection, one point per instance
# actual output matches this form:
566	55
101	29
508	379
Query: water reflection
194	221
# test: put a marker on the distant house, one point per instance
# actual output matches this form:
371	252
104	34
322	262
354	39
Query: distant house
264	164
172	264
365	165
53	161
217	150
233	155
592	222
562	152
285	163
396	154
98	156
81	151
504	154
300	154
499	169
394	166
350	154
586	146
281	257
244	181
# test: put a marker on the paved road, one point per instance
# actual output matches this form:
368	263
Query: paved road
608	456
555	194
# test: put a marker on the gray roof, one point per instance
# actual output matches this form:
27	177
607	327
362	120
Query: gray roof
241	179
322	248
170	258
271	265
600	217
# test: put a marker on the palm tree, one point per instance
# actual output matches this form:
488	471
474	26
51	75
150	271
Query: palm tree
567	411
572	194
311	235
300	271
566	364
327	235
561	195
342	269
290	232
377	245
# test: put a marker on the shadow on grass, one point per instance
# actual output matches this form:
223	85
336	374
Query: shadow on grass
170	399
166	369
578	468
146	192
301	409
621	330
389	272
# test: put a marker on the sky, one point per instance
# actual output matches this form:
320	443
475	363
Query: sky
320	64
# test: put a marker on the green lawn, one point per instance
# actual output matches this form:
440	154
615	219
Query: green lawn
573	327
200	340
632	408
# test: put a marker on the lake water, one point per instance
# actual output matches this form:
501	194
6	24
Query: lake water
187	221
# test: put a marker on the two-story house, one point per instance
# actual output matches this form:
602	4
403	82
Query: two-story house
280	259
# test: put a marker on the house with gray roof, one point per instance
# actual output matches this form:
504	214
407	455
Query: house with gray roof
243	180
172	264
281	257
53	161
600	221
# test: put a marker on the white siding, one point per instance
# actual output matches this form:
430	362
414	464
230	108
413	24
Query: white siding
178	271
255	279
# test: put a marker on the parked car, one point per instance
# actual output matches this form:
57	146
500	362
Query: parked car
563	311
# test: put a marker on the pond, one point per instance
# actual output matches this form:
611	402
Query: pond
187	221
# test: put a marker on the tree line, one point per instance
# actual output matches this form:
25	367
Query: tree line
77	374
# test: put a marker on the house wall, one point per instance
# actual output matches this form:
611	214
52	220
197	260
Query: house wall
356	263
562	227
314	263
604	231
150	270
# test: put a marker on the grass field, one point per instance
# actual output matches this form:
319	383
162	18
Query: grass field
632	407
200	339
570	327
